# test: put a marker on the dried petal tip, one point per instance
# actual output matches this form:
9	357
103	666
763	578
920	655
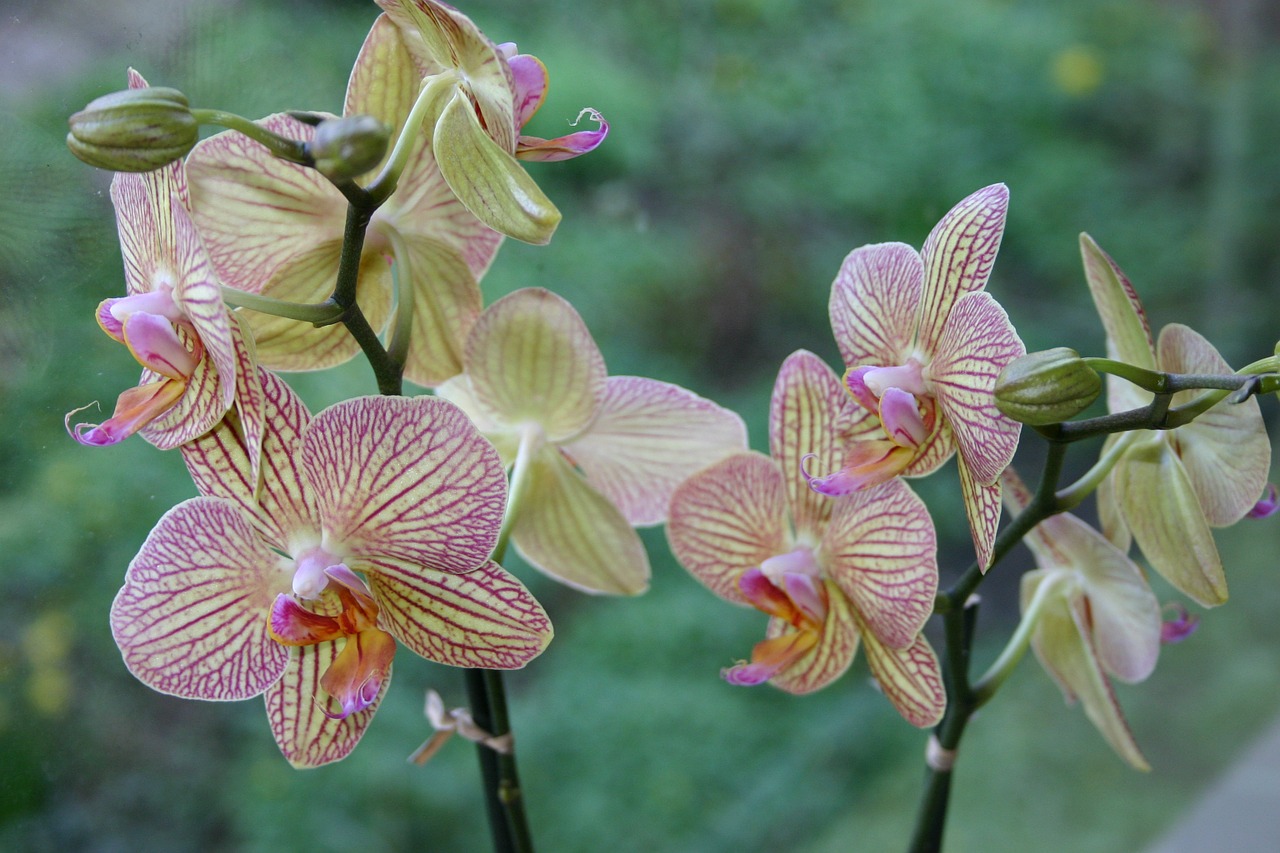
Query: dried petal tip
134	130
1266	505
1178	628
345	148
1047	387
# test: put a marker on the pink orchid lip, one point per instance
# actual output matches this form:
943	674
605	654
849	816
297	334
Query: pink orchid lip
769	657
135	408
154	342
867	464
1182	625
900	416
1267	505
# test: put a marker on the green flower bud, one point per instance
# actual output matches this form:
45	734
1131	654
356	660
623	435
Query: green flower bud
1047	387
134	130
345	148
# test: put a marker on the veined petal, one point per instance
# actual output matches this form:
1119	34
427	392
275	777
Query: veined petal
531	359
645	441
807	400
446	303
489	180
976	343
729	518
536	149
910	678
1226	451
958	255
297	709
1161	508
881	550
385	81
485	618
571	532
221	465
1128	334
194	413
1061	642
982	509
250	399
255	211
830	655
408	478
875	302
191	619
147	240
198	295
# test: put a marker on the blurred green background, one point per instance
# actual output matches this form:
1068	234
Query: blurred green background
754	143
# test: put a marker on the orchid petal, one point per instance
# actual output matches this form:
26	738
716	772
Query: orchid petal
982	509
408	478
446	303
881	550
529	76
148	243
198	294
875	300
531	359
482	619
538	150
728	518
829	657
568	530
1110	516
250	399
1128	334
936	450
807	398
958	255
1162	510
256	212
297	709
909	677
976	343
384	82
506	440
220	465
646	440
191	619
488	180
1226	451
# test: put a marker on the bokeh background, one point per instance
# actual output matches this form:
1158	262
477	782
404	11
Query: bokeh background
755	142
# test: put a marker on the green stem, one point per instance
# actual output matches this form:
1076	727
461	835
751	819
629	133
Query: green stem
318	314
1069	497
990	682
402	279
286	149
428	102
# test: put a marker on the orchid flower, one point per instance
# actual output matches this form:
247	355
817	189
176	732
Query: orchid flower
924	345
479	97
593	454
375	528
196	362
276	228
1094	616
1169	487
828	573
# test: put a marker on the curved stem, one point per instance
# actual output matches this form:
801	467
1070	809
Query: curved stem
318	314
1069	497
428	103
281	146
996	674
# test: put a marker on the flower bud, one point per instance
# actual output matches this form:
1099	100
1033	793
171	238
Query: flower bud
134	130
345	148
1047	387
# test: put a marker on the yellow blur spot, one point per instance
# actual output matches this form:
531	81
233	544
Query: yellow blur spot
49	690
46	641
1077	70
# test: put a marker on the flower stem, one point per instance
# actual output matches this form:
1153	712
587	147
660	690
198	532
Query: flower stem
281	146
503	799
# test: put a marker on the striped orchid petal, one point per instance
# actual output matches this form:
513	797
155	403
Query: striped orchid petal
408	478
571	532
531	358
958	256
875	302
191	619
1164	514
219	463
306	732
485	618
807	399
977	342
881	550
829	656
982	509
910	678
727	519
1128	333
646	439
1225	451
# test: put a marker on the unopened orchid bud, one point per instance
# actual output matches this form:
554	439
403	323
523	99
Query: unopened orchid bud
345	148
1047	387
134	130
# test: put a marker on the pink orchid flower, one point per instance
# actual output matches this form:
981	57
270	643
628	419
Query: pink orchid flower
830	574
233	596
196	363
924	344
593	454
275	228
483	95
1170	487
1096	617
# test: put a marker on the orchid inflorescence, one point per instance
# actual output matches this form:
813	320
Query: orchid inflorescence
318	545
